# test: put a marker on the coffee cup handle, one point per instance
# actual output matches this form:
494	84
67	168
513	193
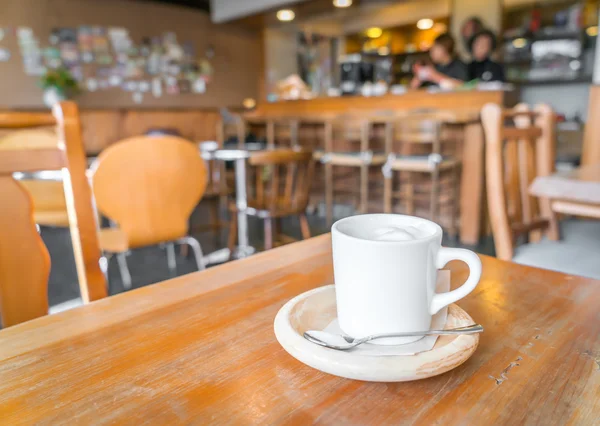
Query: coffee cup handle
444	256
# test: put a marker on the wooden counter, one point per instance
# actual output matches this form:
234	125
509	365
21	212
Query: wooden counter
413	99
466	103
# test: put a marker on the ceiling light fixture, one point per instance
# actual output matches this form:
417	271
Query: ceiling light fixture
342	3
424	24
374	32
286	15
592	31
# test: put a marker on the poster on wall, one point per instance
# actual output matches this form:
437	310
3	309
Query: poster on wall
85	41
52	57
30	52
107	58
119	38
4	54
100	46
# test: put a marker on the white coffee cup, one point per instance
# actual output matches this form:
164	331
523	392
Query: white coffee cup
385	268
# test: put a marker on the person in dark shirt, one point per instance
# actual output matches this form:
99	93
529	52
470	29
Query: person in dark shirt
448	71
481	46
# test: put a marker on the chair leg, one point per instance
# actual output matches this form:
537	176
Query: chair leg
329	194
304	226
196	248
268	233
124	270
231	241
410	198
553	232
215	217
171	261
454	203
103	262
387	194
364	188
435	199
277	231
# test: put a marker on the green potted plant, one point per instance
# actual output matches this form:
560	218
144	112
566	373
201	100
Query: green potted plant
58	85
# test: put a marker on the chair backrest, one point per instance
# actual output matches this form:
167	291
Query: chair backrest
347	133
24	259
282	133
519	147
283	178
420	127
50	206
149	186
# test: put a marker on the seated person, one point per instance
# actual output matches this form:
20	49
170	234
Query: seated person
448	71
482	46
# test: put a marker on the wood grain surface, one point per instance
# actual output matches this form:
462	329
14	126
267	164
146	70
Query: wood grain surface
24	259
412	99
200	349
24	264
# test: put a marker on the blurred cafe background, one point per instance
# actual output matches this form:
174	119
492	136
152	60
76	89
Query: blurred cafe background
198	132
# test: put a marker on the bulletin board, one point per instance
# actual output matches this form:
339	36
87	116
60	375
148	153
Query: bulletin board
99	58
125	54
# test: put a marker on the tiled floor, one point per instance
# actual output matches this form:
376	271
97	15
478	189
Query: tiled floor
149	265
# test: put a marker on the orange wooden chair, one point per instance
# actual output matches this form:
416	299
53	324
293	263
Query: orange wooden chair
148	186
24	259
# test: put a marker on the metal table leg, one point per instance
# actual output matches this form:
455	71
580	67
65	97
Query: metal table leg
241	200
244	249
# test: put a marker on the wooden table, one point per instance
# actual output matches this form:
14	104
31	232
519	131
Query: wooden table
575	192
200	349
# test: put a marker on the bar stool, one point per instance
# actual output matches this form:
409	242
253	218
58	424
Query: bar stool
421	145
348	144
282	133
310	136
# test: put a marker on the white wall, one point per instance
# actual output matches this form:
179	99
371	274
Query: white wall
564	98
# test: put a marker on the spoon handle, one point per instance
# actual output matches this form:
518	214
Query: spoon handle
469	329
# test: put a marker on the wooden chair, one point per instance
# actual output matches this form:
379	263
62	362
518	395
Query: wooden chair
24	259
49	204
426	165
148	187
519	147
282	184
277	132
282	133
217	189
311	137
348	150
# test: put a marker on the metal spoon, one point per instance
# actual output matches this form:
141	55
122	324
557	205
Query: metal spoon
343	343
